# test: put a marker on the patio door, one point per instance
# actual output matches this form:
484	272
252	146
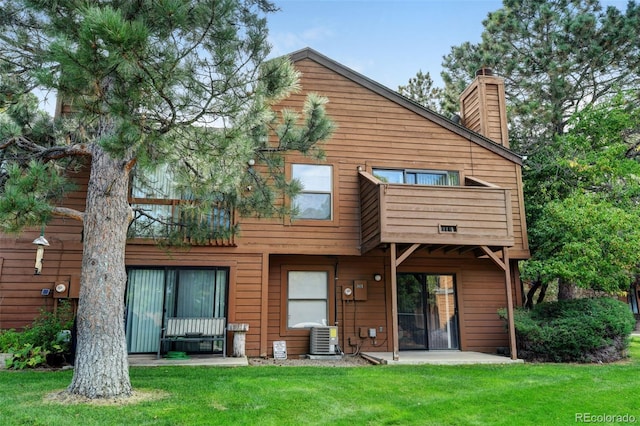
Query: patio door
427	312
155	294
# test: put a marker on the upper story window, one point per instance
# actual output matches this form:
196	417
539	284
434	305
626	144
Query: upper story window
315	199
163	208
418	177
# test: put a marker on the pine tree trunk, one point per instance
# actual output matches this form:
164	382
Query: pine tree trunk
101	366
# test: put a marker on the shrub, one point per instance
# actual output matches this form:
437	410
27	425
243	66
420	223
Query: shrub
579	330
27	356
43	342
8	339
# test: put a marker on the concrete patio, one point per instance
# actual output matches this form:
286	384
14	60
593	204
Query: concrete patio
150	360
439	358
384	358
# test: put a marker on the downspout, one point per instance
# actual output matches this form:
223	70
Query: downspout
335	294
264	308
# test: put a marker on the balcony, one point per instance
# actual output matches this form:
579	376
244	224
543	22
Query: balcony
176	221
477	214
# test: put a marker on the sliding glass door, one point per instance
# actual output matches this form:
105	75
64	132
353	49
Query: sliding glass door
155	294
427	313
144	302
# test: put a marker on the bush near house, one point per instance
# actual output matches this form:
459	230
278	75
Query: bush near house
43	342
578	330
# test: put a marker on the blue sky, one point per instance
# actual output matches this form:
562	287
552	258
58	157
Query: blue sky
386	40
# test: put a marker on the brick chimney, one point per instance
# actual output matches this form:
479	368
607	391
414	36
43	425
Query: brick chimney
483	107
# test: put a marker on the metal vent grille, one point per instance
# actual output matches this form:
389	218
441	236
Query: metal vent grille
448	229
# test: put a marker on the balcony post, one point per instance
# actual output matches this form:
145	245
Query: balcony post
504	264
394	303
512	328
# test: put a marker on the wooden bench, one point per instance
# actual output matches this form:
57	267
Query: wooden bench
195	330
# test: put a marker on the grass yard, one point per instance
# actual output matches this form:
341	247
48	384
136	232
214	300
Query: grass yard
550	394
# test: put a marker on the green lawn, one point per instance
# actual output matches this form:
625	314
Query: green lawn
548	394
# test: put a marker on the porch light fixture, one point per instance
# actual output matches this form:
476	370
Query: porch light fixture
41	242
377	277
251	162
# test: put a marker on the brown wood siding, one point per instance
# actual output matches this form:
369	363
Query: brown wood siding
495	117
471	110
480	327
349	315
480	292
372	131
483	109
370	221
20	290
417	213
480	215
244	297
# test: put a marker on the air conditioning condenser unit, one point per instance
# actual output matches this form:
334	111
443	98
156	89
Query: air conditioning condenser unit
323	340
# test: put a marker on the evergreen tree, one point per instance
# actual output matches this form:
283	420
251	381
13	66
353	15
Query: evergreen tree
172	83
556	57
586	188
420	89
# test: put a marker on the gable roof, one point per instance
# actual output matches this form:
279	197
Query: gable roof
308	53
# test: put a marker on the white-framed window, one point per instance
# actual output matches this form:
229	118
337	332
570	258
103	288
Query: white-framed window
315	201
307	298
419	177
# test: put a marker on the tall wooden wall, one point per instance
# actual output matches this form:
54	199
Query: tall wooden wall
372	131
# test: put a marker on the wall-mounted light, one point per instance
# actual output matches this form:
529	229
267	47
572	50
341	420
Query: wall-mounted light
377	277
251	162
41	242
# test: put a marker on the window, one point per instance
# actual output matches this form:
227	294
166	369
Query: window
165	208
418	177
307	304
315	200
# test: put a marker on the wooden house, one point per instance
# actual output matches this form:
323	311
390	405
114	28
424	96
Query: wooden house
408	237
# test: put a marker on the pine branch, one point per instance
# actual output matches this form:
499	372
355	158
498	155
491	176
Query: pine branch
68	213
46	154
57	152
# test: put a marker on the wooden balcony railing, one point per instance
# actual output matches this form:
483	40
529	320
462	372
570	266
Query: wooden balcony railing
472	215
174	219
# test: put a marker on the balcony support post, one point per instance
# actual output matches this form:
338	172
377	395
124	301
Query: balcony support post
504	265
395	262
394	302
408	252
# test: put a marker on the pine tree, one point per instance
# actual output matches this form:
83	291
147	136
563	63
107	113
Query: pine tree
421	90
178	84
556	57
